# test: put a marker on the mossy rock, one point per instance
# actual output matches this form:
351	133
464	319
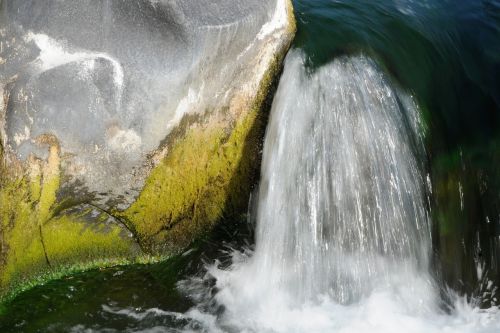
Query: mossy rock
209	170
38	240
202	173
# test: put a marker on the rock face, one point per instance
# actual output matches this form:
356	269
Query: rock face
140	120
466	209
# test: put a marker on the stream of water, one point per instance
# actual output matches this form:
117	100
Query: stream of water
343	239
339	238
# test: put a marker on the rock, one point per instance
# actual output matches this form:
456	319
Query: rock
466	213
142	116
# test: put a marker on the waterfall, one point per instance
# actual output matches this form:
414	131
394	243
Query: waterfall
343	239
342	201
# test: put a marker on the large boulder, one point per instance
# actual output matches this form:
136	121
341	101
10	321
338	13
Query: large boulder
128	127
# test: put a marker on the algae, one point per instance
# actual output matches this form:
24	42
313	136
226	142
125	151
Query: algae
37	242
207	174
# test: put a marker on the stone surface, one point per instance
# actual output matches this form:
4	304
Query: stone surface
111	79
128	128
466	208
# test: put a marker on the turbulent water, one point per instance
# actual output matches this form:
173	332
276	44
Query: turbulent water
342	203
343	238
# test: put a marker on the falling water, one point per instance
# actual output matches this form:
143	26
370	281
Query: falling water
342	205
343	238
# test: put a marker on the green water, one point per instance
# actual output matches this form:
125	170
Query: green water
445	53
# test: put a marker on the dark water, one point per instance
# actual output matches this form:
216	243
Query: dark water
445	53
123	299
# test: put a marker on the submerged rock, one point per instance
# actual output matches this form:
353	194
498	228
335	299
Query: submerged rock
466	210
129	116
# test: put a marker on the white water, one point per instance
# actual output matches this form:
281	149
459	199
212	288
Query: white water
342	203
343	238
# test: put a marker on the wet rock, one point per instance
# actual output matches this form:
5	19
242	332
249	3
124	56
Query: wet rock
111	80
466	214
152	107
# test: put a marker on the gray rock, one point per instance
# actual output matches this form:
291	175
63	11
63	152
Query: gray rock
110	79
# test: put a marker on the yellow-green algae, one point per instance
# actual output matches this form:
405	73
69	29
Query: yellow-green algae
37	245
207	174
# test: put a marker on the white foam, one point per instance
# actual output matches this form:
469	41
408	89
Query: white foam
139	314
408	305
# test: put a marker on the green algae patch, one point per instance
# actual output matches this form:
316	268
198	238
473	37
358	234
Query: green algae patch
66	239
33	251
21	250
292	23
41	278
207	175
37	240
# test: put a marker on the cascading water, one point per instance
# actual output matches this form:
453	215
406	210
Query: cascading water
341	203
343	238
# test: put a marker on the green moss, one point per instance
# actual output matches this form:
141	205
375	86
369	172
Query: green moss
35	183
66	238
19	232
41	278
292	24
207	174
47	198
189	190
35	242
